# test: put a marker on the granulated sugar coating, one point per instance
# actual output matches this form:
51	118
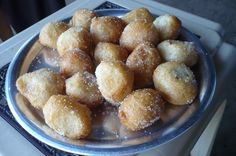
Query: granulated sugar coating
51	56
67	117
147	102
106	29
74	61
105	71
143	61
40	85
75	38
83	87
176	82
115	80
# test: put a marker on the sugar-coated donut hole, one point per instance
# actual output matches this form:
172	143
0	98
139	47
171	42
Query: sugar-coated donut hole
67	117
115	80
74	61
141	109
106	29
75	38
84	88
109	52
138	32
82	18
138	14
50	32
176	82
143	61
179	51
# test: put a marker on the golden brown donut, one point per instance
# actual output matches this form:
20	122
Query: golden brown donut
115	80
67	117
83	86
40	85
75	38
106	29
168	26
50	32
143	61
138	32
109	52
138	14
74	61
83	17
141	109
179	51
176	82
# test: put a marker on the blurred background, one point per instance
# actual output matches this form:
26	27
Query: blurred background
16	16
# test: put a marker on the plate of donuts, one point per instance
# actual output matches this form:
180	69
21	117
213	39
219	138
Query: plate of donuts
110	81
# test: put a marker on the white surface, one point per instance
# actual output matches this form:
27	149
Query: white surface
226	58
204	144
13	143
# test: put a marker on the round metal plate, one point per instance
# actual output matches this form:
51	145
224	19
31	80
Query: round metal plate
108	136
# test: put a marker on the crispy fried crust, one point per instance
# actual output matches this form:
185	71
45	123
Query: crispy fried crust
143	61
115	80
40	85
74	61
50	32
109	52
179	51
138	32
83	86
67	117
138	14
168	26
82	18
176	82
75	38
141	109
106	29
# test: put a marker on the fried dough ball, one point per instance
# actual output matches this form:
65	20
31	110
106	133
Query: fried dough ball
83	86
75	61
50	32
143	61
75	38
138	14
176	82
115	80
179	51
168	26
106	29
83	17
110	52
138	32
141	109
67	117
40	85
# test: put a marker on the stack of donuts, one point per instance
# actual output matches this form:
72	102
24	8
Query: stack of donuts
134	63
